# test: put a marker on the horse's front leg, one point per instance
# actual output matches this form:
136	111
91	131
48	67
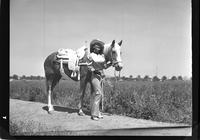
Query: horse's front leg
82	91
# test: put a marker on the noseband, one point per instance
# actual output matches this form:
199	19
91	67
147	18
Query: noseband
114	62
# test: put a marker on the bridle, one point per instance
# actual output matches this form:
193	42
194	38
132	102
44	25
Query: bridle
114	62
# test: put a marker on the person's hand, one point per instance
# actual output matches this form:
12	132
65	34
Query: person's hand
105	65
108	64
103	75
91	68
89	57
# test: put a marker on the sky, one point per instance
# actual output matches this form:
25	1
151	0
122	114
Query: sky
156	34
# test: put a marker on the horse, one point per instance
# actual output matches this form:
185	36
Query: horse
112	53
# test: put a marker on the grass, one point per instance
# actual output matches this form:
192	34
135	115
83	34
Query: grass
31	128
169	101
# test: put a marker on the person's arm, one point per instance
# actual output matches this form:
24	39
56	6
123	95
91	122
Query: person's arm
99	62
97	58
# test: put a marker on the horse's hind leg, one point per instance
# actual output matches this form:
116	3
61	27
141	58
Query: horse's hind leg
51	83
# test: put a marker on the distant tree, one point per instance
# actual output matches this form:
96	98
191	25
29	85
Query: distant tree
27	78
131	76
15	77
138	78
39	77
173	78
125	78
23	77
164	78
31	77
180	78
155	78
146	78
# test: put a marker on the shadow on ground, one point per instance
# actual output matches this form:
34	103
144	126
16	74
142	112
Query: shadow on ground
66	109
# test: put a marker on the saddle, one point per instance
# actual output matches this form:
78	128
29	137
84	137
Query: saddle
71	57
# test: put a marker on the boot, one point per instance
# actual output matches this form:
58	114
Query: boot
95	118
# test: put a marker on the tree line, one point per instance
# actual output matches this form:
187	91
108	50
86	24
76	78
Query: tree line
24	77
154	78
130	78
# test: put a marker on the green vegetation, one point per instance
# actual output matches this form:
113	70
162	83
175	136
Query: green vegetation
167	101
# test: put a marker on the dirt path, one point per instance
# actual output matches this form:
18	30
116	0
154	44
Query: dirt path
31	118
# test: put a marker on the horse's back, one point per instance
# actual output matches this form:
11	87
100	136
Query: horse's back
50	58
49	65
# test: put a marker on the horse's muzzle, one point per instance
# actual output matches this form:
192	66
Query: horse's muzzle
118	66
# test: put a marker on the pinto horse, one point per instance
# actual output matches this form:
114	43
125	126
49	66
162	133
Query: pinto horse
112	53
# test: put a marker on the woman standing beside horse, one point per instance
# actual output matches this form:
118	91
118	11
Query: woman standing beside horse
88	74
99	63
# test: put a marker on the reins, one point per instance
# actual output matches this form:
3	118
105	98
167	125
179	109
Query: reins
116	79
116	75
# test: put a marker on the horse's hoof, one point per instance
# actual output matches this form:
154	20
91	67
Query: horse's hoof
50	108
50	111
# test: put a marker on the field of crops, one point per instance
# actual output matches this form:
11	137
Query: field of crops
169	101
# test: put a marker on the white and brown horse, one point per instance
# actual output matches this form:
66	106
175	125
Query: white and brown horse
112	53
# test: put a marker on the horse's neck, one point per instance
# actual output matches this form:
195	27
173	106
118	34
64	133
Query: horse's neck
106	51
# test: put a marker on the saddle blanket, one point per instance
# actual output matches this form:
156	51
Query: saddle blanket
68	53
65	53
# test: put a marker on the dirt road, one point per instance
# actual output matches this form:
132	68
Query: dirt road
31	118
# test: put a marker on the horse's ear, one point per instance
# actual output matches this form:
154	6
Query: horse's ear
113	43
120	43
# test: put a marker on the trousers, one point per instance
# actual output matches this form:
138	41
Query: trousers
97	94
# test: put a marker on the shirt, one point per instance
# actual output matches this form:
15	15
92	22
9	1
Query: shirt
98	61
97	57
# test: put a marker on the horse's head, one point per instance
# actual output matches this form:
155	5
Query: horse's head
115	55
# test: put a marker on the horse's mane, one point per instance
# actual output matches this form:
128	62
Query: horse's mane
106	51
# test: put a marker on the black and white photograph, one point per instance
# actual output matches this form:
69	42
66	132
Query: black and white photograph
100	68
